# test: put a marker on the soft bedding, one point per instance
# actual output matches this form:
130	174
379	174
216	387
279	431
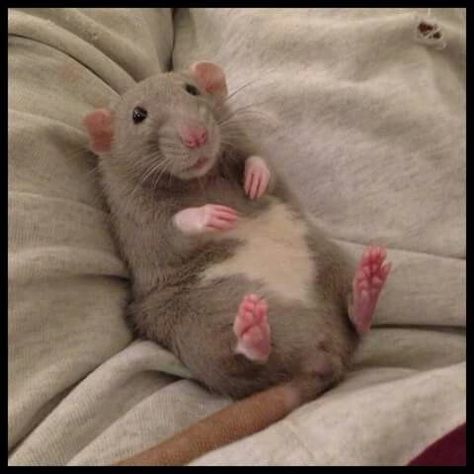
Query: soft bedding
370	131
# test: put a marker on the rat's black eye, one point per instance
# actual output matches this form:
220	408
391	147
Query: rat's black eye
190	89
139	114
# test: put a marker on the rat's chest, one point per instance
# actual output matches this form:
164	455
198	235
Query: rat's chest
273	251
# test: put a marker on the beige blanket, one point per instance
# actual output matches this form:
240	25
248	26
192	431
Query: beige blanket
371	134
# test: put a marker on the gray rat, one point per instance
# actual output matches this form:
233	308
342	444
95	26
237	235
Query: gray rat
227	272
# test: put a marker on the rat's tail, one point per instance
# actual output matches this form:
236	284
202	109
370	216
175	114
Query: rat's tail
236	421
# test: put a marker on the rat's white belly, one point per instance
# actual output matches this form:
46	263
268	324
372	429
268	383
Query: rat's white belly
274	251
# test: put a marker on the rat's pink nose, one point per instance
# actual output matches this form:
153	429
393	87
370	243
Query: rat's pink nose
193	137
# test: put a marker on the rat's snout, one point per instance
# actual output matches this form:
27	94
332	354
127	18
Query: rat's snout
193	137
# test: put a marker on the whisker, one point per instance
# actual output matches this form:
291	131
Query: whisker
245	85
158	177
156	168
239	89
241	110
166	141
164	165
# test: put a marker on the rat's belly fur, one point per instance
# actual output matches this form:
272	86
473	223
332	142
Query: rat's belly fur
273	259
274	251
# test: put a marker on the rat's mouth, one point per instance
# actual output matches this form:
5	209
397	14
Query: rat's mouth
200	163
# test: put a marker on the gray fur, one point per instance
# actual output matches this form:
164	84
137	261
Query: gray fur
170	303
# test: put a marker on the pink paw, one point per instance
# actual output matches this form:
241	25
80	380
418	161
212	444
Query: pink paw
369	279
217	217
211	217
257	177
252	329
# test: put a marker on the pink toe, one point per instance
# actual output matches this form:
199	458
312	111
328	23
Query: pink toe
261	312
248	305
377	281
360	274
249	182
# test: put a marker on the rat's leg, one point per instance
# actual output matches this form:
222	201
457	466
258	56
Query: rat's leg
257	177
252	329
371	273
208	218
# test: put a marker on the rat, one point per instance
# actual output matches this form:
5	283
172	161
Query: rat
227	271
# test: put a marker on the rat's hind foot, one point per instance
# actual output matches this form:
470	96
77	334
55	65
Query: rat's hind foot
252	329
369	279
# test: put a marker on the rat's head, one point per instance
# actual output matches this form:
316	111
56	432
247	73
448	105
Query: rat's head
166	124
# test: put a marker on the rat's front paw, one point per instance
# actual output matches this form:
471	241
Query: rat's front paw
257	177
208	218
217	217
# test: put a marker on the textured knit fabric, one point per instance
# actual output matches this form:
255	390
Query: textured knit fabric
370	132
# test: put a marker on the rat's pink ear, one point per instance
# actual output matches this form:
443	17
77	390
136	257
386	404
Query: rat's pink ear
210	77
99	128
